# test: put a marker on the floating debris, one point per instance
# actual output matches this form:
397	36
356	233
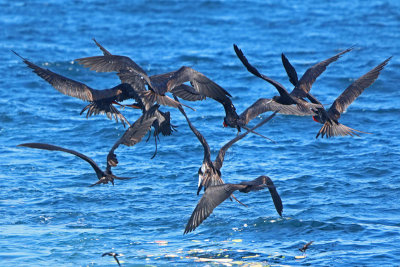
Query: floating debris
300	257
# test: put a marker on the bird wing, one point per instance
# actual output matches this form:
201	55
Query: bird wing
138	130
126	74
110	63
260	183
164	123
200	83
221	154
116	259
207	152
354	90
76	89
96	168
263	105
164	100
281	89
105	51
290	70
187	93
212	197
265	180
306	81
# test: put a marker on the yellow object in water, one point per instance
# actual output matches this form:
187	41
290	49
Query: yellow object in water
300	257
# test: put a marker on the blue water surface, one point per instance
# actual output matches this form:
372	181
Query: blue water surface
342	193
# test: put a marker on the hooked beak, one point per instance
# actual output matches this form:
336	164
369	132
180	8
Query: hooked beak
131	106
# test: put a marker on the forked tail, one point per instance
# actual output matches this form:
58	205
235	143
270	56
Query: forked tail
331	130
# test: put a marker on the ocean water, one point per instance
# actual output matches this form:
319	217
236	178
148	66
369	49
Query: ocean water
342	193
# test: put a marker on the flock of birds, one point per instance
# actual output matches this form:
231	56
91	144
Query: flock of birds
149	93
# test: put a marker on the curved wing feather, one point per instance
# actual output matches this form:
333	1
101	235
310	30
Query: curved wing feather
306	81
221	154
211	198
95	167
354	90
263	105
200	137
281	89
201	83
290	70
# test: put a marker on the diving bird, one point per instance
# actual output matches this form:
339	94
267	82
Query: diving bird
209	172
112	254
101	101
217	194
103	176
330	119
287	103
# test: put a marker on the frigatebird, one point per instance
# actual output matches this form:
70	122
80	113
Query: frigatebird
103	176
101	101
330	119
287	103
217	194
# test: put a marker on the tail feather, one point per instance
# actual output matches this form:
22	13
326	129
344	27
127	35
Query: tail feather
331	130
110	111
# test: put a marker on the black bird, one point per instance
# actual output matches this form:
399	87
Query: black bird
217	194
130	72
174	82
113	254
209	172
134	133
103	176
101	101
330	119
305	247
303	86
163	123
287	103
